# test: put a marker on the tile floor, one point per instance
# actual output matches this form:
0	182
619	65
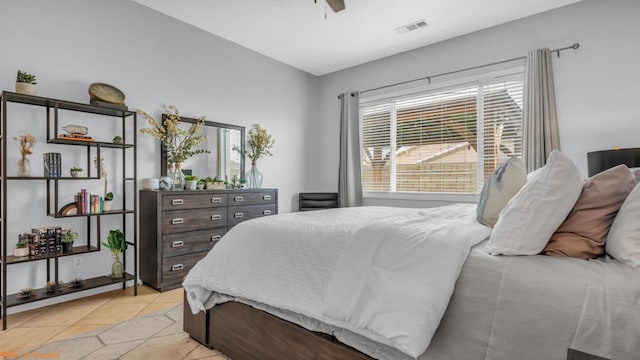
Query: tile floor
33	328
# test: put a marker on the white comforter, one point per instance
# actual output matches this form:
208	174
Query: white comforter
383	273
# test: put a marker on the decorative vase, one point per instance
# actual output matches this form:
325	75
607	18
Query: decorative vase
25	88
23	167
177	176
116	268
254	177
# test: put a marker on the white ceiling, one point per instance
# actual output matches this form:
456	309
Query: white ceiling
297	33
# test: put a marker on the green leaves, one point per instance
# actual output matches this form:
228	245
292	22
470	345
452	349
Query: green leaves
180	143
259	142
116	242
25	77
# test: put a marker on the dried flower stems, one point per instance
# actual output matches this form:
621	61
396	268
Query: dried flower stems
180	143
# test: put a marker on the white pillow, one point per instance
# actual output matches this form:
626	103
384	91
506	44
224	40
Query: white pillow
537	210
499	189
623	240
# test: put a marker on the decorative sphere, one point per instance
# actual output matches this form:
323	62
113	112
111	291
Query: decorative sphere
166	183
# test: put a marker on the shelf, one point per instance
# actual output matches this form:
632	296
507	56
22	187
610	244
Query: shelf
41	294
90	143
64	105
76	250
112	212
52	178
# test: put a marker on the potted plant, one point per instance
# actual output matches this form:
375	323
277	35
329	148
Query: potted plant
68	237
107	203
117	139
201	184
215	183
117	244
22	248
191	182
75	171
25	83
243	183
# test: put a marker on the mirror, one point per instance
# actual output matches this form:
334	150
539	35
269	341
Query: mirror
222	161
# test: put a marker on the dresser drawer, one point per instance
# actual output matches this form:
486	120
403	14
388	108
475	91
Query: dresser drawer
251	198
193	201
175	268
191	242
239	214
191	220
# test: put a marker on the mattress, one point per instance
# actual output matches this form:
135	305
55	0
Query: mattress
530	307
533	307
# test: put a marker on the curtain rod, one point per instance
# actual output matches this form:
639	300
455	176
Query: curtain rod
574	46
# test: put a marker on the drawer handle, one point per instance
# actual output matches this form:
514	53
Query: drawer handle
176	244
216	200
216	237
266	197
216	217
177	221
238	215
177	267
177	202
266	212
238	198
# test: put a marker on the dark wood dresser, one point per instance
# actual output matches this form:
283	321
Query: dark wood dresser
178	228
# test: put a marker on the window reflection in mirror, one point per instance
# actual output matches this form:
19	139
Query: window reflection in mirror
221	161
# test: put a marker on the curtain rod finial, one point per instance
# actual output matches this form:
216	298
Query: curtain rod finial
575	46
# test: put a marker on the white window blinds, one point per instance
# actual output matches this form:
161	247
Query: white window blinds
444	141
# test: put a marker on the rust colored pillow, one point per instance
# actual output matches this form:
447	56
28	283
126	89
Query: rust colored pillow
583	234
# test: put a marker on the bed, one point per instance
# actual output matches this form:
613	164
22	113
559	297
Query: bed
278	288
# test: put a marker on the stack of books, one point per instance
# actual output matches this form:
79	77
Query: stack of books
52	164
87	203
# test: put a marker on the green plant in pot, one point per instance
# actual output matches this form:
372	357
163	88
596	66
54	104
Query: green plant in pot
25	83
201	184
215	183
68	237
75	171
22	248
117	244
191	182
117	139
107	203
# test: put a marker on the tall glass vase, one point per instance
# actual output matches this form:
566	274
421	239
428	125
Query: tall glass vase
254	177
116	268
23	167
174	172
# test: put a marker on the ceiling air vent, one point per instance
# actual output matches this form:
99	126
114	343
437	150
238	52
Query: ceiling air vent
418	24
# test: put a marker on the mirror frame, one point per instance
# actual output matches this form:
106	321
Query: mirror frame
163	149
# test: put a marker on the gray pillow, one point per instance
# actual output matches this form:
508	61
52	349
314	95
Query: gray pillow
501	186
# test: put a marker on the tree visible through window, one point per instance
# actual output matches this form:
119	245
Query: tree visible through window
430	142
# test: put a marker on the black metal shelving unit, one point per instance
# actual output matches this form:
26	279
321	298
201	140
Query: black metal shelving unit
130	206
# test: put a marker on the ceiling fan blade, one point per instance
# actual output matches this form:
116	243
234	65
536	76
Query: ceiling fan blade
336	5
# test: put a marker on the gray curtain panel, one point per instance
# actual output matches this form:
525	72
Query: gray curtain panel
540	135
349	172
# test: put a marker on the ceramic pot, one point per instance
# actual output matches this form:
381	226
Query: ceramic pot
26	89
20	252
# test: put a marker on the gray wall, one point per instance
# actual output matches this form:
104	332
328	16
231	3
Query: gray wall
156	60
597	85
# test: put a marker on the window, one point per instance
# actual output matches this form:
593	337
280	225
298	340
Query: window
447	140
